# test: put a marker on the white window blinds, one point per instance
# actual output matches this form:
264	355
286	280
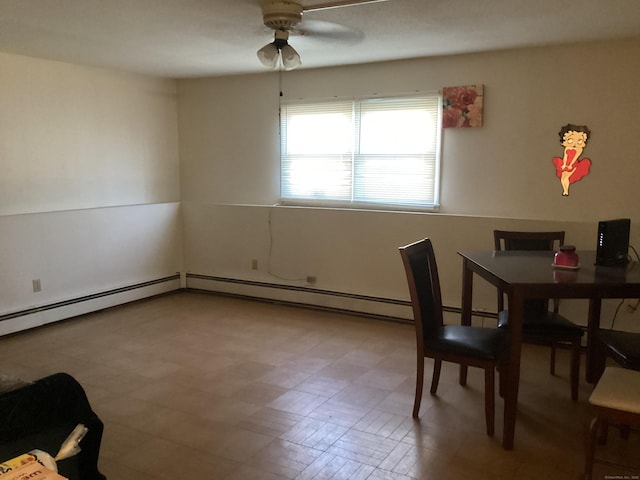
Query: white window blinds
382	151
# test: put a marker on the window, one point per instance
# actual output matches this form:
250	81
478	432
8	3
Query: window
372	151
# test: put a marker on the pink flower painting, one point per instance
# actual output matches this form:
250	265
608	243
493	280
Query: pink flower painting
462	106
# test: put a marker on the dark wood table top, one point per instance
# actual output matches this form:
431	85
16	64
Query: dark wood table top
523	269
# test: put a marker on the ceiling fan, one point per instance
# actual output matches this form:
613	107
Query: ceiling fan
285	16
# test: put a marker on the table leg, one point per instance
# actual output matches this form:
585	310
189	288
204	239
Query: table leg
467	304
512	383
595	362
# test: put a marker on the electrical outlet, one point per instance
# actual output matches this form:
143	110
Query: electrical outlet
311	279
254	264
37	286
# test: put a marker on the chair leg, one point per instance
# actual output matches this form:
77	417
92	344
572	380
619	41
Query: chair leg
575	369
489	399
625	430
590	447
463	374
604	431
437	366
419	383
552	360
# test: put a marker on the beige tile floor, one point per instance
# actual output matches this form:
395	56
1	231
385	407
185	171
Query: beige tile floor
201	386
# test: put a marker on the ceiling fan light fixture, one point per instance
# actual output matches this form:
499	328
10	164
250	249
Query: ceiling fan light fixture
290	58
268	55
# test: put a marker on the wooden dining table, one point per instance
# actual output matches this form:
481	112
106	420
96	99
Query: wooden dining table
530	274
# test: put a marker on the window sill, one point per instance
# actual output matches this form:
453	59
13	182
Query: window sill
357	206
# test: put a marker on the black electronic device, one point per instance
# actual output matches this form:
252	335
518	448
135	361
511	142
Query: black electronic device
613	242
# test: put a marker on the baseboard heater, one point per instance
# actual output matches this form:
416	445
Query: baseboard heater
42	314
344	302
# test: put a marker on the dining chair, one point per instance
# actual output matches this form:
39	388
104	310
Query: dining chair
540	325
624	348
621	346
484	348
615	399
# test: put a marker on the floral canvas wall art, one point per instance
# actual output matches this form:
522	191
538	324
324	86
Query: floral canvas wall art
462	106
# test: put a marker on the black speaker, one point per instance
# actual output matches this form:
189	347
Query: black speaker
613	242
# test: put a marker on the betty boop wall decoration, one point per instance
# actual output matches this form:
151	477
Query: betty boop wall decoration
570	168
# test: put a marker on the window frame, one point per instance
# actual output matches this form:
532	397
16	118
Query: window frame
432	158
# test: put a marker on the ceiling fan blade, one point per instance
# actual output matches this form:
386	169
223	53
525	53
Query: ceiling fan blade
338	4
328	31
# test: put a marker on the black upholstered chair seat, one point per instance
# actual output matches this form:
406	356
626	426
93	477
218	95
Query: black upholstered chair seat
624	347
486	343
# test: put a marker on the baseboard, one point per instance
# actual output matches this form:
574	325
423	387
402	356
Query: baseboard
44	314
303	296
379	307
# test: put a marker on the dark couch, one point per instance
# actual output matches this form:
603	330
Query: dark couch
42	414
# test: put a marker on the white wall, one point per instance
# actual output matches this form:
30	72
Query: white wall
77	137
497	176
79	253
89	187
229	143
91	183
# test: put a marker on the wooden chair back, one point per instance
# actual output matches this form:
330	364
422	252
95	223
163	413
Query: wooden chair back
539	241
424	286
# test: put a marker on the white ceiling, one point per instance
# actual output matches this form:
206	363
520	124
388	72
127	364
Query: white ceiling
190	38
